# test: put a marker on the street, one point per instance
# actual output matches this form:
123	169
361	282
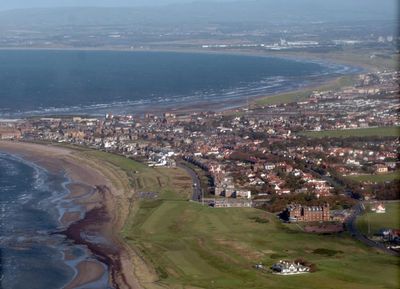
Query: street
197	192
352	228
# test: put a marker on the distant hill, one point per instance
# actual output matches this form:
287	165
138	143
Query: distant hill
282	11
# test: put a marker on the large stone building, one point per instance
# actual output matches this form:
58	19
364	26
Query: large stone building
299	213
224	187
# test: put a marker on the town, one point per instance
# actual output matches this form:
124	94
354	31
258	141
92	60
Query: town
214	144
330	147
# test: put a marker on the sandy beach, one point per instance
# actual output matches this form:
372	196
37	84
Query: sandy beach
102	191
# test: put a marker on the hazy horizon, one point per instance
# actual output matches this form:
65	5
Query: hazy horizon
24	4
196	11
27	4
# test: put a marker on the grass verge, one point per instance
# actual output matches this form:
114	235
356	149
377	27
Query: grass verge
392	131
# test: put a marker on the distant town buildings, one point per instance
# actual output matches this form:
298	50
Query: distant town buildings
256	155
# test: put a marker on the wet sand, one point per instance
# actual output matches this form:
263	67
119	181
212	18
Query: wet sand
97	190
78	190
88	272
70	217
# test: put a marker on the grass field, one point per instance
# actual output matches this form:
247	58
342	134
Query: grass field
190	246
362	132
352	56
199	247
380	178
146	179
302	95
391	219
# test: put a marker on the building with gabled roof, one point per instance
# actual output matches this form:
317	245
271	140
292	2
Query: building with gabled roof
299	213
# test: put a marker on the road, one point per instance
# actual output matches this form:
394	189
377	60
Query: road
197	192
352	228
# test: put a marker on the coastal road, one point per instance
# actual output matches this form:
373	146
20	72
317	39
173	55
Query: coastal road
352	228
197	192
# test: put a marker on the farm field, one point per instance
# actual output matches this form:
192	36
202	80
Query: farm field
390	219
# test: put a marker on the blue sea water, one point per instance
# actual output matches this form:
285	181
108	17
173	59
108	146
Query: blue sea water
44	82
31	249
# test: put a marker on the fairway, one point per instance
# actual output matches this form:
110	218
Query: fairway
284	98
304	94
379	178
362	132
390	219
200	247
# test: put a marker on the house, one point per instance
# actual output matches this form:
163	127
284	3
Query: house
243	194
391	165
289	268
269	166
225	187
381	169
379	208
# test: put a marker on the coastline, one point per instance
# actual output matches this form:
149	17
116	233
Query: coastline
190	105
101	205
98	230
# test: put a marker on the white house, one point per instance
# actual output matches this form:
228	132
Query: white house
379	208
289	268
243	194
269	166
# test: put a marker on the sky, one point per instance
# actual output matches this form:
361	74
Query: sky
335	7
14	4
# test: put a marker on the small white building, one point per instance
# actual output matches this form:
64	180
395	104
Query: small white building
289	268
269	166
243	194
379	208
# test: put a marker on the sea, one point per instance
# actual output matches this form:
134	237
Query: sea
34	253
45	82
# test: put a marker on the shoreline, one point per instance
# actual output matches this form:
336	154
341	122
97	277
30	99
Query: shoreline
99	216
98	229
238	101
